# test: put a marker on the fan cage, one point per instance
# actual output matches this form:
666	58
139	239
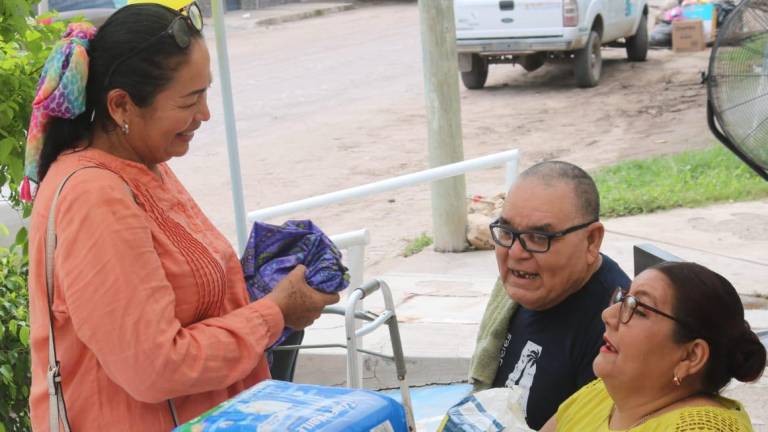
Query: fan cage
738	81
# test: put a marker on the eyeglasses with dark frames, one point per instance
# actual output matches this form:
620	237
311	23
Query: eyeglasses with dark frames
181	30
195	15
630	303
532	241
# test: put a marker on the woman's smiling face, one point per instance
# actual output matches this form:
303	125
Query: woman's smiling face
165	128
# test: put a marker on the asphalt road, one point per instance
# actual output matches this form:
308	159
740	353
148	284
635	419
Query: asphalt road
337	101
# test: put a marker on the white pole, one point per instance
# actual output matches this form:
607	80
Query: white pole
366	190
510	174
356	266
351	238
441	90
354	242
356	262
42	7
229	121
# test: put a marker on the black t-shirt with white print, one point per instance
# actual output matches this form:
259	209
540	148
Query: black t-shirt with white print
549	353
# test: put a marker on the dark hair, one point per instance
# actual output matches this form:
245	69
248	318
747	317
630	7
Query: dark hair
583	185
142	76
709	304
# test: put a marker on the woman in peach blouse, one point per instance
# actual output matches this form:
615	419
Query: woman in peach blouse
150	304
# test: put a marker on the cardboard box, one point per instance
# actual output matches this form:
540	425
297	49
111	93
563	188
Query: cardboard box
707	14
688	35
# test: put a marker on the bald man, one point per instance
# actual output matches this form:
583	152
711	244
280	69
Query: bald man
542	328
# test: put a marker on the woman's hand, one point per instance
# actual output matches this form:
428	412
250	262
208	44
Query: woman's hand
301	304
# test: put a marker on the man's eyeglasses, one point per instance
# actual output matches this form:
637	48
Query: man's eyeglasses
531	241
181	30
630	303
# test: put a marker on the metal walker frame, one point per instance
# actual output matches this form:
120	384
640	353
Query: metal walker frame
373	322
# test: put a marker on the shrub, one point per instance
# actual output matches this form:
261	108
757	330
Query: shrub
24	46
14	340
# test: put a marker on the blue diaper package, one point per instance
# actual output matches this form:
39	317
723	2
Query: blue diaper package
283	406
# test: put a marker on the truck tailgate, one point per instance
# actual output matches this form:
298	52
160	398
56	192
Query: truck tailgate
478	19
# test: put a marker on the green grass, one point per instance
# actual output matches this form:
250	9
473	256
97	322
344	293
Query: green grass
688	179
417	245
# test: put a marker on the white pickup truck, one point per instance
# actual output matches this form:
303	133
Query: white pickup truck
532	32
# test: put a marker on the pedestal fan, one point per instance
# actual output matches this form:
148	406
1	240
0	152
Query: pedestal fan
737	84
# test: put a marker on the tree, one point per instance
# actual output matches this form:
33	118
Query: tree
24	46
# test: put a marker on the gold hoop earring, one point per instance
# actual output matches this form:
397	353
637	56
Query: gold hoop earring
677	380
126	129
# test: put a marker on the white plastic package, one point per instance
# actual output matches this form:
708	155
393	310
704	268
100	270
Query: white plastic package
490	410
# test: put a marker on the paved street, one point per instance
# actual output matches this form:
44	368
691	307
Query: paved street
337	101
314	100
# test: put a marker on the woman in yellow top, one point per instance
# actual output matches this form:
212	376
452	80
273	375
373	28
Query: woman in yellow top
671	344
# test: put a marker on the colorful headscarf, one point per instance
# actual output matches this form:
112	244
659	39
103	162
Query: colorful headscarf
60	93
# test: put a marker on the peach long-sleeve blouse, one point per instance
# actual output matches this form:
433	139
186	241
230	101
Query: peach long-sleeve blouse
150	301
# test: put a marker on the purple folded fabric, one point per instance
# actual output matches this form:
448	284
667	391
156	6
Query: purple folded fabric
273	251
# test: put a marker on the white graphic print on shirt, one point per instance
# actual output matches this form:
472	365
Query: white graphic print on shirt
524	371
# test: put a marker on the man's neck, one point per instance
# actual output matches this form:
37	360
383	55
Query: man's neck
595	266
591	270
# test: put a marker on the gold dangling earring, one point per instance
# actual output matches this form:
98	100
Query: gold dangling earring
126	129
677	380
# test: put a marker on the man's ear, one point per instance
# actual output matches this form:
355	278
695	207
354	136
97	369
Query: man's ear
695	357
120	106
595	233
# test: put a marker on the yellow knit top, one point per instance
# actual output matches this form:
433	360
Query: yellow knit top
588	410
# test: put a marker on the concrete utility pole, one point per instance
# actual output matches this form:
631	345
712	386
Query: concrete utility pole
441	90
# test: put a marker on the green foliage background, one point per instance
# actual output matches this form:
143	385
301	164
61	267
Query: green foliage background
24	46
14	342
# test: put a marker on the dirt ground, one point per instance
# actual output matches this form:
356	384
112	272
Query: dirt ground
334	102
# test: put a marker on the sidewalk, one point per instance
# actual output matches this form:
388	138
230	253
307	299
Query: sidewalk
440	298
274	15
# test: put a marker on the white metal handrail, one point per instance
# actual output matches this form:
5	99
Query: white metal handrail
509	158
354	242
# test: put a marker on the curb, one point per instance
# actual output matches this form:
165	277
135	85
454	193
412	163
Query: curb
331	369
264	22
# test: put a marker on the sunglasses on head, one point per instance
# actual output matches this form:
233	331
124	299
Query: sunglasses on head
195	15
181	29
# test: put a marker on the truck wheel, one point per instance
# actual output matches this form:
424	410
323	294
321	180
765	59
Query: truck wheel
637	45
589	62
475	79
